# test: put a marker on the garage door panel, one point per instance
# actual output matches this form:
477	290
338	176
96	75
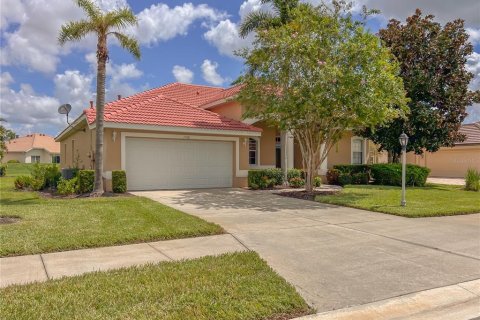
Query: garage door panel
177	164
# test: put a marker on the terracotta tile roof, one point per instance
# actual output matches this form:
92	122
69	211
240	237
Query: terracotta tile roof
33	141
472	133
168	106
224	94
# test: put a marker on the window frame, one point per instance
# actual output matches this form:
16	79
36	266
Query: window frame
257	151
35	157
362	145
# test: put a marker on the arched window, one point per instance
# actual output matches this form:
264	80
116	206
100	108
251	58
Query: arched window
252	151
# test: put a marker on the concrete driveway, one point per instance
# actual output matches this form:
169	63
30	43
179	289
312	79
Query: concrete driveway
336	256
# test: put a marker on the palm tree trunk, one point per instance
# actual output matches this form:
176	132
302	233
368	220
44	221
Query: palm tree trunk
101	71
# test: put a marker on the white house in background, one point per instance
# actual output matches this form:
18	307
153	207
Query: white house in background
33	148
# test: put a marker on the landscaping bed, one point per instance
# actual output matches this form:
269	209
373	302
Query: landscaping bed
50	224
230	286
429	201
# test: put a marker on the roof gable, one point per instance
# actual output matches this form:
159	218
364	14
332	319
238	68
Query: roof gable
33	141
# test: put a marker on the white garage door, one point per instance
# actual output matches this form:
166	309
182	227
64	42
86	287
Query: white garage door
177	164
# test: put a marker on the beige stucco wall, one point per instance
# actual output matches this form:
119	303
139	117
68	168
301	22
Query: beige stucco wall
83	149
341	151
267	144
230	109
449	162
25	157
19	156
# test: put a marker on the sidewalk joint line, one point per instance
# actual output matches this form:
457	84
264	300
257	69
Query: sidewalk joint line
241	242
44	267
159	251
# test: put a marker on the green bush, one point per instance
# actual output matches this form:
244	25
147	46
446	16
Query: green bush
391	174
472	180
22	182
332	176
38	173
295	173
264	178
67	187
352	169
119	181
344	179
317	182
52	176
360	178
13	161
3	170
86	180
296	182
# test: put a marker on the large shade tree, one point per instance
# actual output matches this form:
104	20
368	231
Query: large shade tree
261	19
319	75
102	25
432	62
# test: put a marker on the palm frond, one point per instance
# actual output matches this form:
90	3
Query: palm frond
128	43
90	8
120	19
75	31
255	20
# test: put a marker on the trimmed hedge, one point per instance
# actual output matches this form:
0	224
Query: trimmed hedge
119	181
295	173
13	161
382	174
85	181
265	178
391	174
22	182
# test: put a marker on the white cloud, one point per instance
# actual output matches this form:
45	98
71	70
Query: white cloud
474	35
224	36
182	74
210	74
473	65
161	23
473	113
33	43
74	88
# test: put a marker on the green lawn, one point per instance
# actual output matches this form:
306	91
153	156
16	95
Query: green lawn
231	286
429	201
49	225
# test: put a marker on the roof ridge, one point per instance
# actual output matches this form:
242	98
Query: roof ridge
197	85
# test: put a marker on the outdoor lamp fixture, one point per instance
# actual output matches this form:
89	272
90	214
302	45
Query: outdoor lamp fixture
65	109
403	142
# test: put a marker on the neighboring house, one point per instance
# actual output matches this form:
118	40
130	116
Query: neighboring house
455	161
33	148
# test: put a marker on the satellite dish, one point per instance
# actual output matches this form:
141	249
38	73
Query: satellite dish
64	109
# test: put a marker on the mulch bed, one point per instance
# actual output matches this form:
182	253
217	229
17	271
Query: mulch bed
304	195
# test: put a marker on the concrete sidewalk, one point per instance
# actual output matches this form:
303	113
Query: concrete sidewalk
460	302
41	267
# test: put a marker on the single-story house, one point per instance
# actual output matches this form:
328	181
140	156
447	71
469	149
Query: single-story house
33	148
191	136
453	162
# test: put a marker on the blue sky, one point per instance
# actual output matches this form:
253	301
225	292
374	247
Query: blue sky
180	41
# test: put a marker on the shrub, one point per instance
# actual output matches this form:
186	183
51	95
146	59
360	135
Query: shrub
332	176
3	170
296	182
360	178
67	187
38	173
52	176
86	180
317	182
352	169
22	182
472	180
391	174
264	178
344	179
13	161
295	173
119	181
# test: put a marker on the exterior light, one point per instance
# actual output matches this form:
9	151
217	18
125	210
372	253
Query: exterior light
403	139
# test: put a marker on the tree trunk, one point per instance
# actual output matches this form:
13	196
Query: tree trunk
102	56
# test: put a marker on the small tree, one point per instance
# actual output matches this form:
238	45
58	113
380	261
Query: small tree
101	24
5	135
432	62
319	75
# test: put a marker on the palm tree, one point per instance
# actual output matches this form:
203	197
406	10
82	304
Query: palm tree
263	19
101	24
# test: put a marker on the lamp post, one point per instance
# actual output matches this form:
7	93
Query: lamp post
403	142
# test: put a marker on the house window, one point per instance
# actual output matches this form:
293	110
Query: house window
73	152
357	151
35	159
252	151
56	158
